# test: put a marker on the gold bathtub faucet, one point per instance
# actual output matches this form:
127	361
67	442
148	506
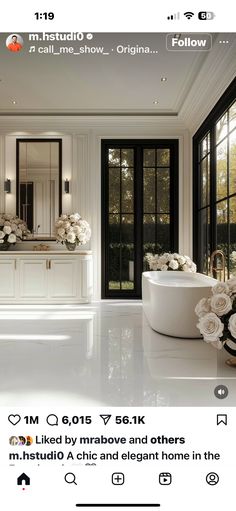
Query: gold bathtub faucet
217	269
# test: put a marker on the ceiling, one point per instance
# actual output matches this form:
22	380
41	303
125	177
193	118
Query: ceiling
105	84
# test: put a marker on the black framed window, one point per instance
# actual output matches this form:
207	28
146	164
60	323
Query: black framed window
214	150
139	209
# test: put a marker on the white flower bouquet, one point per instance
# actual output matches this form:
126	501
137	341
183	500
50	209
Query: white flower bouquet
217	316
233	257
170	262
72	230
12	229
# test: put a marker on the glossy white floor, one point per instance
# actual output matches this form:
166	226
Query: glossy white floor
103	353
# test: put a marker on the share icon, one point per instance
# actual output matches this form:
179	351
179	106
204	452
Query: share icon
105	418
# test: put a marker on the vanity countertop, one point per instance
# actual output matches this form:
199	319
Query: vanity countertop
45	252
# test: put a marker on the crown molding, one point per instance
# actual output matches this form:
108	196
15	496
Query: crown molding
215	76
57	126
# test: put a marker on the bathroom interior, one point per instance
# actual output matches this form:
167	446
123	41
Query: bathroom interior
143	146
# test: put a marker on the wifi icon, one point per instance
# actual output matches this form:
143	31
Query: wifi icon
189	15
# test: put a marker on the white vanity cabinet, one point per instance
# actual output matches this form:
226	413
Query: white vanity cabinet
46	277
7	278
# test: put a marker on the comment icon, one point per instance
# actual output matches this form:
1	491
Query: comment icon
52	420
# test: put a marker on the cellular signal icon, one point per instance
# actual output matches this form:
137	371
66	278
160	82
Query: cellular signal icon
175	16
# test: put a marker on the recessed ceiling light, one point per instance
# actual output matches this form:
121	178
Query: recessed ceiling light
163	79
14	102
155	102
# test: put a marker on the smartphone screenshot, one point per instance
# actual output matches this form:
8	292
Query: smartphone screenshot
117	256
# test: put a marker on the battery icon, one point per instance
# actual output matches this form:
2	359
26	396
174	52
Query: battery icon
206	15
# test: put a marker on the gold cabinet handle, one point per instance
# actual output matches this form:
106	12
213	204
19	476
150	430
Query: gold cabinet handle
49	265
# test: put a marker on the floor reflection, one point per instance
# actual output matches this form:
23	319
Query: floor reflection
102	354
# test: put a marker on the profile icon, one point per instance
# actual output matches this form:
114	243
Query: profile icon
13	440
14	43
21	440
29	440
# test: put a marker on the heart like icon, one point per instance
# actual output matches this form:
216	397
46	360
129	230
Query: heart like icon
14	419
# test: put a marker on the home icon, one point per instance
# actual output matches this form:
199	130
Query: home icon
23	478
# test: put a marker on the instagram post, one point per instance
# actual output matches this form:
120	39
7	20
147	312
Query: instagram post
118	266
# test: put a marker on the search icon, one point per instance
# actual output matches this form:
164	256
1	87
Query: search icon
70	478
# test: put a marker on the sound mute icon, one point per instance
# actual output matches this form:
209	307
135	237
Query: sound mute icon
175	16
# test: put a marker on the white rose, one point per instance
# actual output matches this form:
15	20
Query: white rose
233	256
193	267
221	304
210	327
217	344
1	241
72	218
11	238
181	260
76	230
61	231
231	283
164	267
82	241
232	325
203	307
66	224
221	287
2	234
153	266
163	259
185	267
7	229
173	264
13	227
59	223
70	237
18	233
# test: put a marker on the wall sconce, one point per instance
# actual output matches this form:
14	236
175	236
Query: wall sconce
7	186
67	186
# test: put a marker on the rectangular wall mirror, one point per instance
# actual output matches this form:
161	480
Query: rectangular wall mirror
39	184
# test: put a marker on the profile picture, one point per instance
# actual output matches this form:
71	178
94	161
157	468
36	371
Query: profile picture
29	440
13	440
14	43
21	440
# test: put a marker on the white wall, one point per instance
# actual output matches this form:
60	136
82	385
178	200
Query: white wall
82	166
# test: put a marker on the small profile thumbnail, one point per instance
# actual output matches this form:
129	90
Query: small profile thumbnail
13	440
14	42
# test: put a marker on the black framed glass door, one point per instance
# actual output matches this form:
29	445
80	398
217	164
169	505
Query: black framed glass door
214	184
139	210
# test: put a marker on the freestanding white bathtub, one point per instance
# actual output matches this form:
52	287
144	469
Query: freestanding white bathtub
169	300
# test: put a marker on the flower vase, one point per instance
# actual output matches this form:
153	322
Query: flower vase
5	246
230	361
70	246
